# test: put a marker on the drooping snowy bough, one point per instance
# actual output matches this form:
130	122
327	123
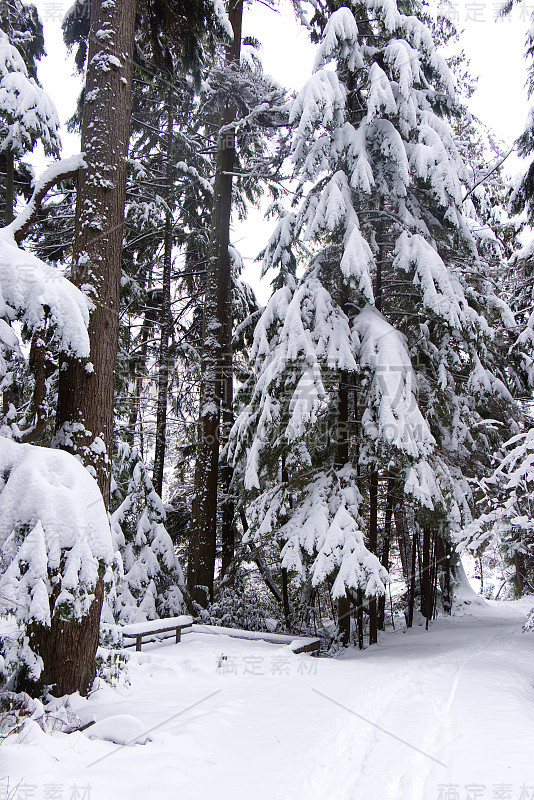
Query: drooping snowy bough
510	518
55	537
55	545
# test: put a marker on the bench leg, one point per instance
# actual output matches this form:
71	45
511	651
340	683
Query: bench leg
178	635
138	640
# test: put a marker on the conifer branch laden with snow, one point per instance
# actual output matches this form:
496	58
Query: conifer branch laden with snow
510	519
27	114
33	291
385	313
55	540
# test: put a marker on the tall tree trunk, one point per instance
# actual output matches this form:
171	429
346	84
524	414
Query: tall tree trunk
426	575
519	575
217	307
386	542
166	311
10	187
359	618
342	457
411	585
284	572
227	472
68	650
443	561
372	545
139	373
373	477
285	597
84	421
404	542
227	411
343	619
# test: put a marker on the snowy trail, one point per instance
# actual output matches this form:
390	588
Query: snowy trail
466	700
236	719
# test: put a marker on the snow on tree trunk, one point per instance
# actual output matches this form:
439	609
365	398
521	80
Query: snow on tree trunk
216	368
84	421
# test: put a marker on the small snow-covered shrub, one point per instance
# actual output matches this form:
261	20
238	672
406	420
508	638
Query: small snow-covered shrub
112	666
17	658
238	609
528	626
151	582
509	523
15	709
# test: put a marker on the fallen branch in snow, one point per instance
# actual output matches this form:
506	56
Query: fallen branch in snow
57	172
31	435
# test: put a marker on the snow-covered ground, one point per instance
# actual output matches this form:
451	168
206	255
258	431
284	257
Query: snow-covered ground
441	715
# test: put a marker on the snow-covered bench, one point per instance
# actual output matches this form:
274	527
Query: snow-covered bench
140	630
298	644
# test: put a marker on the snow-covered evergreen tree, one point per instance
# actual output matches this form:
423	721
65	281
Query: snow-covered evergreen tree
390	335
26	112
27	116
55	538
510	518
150	582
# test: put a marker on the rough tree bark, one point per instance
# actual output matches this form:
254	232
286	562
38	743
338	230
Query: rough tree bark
386	543
216	357
166	311
342	457
84	419
68	650
372	545
10	187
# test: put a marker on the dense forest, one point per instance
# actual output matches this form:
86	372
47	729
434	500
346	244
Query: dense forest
168	445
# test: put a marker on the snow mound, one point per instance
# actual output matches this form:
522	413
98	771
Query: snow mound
464	596
120	729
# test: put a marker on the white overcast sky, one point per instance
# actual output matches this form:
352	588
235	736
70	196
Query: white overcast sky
495	50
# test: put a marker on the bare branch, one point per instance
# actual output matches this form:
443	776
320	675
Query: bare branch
57	172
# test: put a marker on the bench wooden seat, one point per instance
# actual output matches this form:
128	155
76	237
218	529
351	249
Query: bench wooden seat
140	630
